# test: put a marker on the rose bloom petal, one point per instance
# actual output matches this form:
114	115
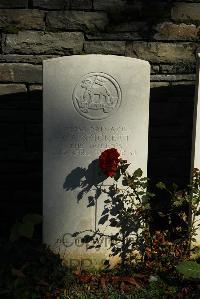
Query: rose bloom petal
108	161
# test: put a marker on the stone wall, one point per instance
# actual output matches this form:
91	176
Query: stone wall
166	33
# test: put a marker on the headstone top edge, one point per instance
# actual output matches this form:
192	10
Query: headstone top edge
125	58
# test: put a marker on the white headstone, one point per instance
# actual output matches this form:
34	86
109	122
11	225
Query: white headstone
91	103
196	133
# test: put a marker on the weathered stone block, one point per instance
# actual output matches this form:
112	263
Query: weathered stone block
52	4
117	36
35	87
171	31
12	19
185	77
133	30
158	52
159	84
154	69
187	12
177	68
16	72
31	42
14	4
183	83
81	4
105	47
77	20
33	59
6	89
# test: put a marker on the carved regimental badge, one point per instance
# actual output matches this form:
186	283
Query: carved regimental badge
97	96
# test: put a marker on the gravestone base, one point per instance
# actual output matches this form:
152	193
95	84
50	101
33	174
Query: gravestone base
90	261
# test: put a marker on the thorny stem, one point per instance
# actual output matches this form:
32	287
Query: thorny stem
134	190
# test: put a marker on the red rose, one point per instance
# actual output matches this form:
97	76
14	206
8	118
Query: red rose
108	161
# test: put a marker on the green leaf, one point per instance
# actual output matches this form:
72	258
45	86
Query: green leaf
32	218
103	219
107	201
138	172
91	201
117	175
161	185
189	269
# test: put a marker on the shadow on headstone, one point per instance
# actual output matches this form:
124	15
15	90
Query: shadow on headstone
86	179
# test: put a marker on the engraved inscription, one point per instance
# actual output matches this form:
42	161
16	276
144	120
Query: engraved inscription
87	141
97	96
